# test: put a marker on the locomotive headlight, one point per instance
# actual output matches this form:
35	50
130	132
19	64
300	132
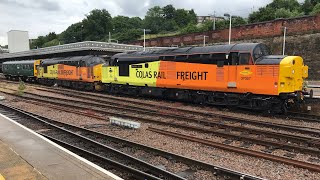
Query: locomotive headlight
293	71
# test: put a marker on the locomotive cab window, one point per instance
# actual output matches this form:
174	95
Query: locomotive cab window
169	58
244	58
181	58
233	58
195	58
124	69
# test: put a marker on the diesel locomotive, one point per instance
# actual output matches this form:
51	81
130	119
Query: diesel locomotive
243	75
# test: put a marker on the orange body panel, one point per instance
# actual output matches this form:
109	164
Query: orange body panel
262	79
66	72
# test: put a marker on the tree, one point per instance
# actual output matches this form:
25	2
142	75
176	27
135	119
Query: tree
277	9
237	21
154	19
97	24
190	28
123	23
128	35
316	9
169	12
51	36
73	33
183	17
53	42
38	43
307	6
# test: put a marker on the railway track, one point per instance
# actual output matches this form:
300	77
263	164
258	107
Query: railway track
184	115
114	158
303	116
313	143
90	144
291	116
300	164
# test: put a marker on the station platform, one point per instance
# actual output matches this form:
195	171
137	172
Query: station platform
26	155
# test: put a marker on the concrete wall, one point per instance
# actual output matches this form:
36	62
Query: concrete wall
18	41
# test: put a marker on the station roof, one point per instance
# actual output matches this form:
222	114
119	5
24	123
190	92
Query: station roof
76	47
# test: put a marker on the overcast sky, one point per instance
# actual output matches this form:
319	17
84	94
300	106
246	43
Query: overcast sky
40	17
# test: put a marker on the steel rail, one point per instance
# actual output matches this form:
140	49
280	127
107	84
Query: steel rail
296	163
118	154
173	109
207	122
191	162
306	140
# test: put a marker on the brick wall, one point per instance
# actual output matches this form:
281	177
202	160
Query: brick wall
301	25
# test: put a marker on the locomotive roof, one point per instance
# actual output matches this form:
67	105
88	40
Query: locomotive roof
19	62
62	59
154	55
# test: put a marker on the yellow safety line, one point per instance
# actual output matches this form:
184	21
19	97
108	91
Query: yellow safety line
2	178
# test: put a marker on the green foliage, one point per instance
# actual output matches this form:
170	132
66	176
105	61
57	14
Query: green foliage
97	24
183	17
128	35
316	9
277	9
53	42
168	19
223	24
154	19
190	28
237	21
169	12
41	40
124	23
73	33
164	21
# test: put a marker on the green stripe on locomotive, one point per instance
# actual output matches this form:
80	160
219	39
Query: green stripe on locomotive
18	68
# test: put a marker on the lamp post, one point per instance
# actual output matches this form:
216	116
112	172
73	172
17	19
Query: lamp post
230	17
204	40
214	20
110	36
284	40
144	38
81	32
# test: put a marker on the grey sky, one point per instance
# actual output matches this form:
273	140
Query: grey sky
40	17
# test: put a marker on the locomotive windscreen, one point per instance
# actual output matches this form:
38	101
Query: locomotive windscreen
260	51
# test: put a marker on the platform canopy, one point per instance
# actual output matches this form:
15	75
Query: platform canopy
79	48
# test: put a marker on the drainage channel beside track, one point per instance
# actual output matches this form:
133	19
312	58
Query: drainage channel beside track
104	149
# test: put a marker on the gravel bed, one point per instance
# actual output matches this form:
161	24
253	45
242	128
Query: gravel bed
188	107
206	110
250	165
